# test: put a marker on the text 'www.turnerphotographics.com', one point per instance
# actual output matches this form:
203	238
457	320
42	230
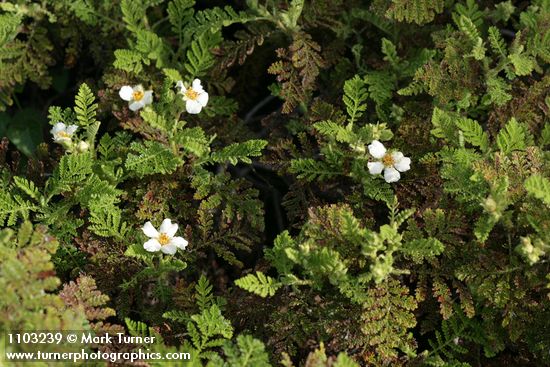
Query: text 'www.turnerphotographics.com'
78	346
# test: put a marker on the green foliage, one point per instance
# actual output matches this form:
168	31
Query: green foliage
523	65
512	137
445	125
297	70
415	11
279	195
26	50
13	207
497	42
318	358
259	283
28	278
539	187
498	91
180	13
128	60
423	249
209	329
84	295
85	108
469	9
455	332
151	157
199	58
138	328
239	152
340	133
107	222
355	96
322	265
215	18
310	169
245	352
389	302
473	133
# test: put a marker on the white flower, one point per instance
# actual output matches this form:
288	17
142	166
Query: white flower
137	97
195	97
163	239
63	133
390	163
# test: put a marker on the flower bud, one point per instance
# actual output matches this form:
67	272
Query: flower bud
82	146
359	147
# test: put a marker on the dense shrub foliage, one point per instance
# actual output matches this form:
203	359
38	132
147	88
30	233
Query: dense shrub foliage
280	182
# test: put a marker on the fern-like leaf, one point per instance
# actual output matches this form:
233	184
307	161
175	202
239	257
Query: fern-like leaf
310	169
180	13
199	57
85	108
239	152
496	41
539	187
260	284
333	130
355	97
215	18
415	11
473	133
512	137
246	352
128	60
151	157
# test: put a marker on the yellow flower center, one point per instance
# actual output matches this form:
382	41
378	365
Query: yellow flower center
191	94
164	239
388	160
137	95
63	134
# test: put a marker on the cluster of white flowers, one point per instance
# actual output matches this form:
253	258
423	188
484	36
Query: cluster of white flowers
163	240
195	96
63	135
390	163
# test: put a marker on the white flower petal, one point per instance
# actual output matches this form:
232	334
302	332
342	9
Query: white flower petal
193	107
148	97
165	225
179	242
397	156
149	230
152	245
58	127
391	175
403	164
71	129
203	99
169	249
168	227
377	149
375	168
179	84
126	93
138	88
197	87
134	106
